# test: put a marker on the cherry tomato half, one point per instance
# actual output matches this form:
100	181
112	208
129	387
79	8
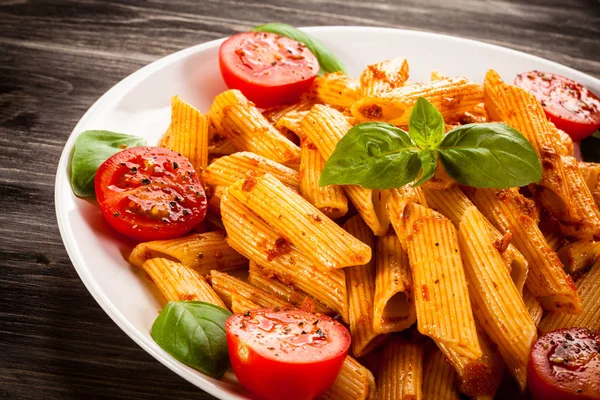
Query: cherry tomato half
268	69
150	193
286	353
568	104
565	365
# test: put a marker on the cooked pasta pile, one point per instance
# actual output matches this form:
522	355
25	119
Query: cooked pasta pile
442	286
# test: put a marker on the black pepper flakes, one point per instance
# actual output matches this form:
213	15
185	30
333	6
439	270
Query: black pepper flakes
145	181
247	314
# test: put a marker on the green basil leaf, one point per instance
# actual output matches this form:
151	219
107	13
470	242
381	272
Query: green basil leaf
429	161
374	155
327	60
426	124
194	333
491	155
91	149
590	148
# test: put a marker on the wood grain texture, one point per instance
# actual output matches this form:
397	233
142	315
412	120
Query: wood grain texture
58	57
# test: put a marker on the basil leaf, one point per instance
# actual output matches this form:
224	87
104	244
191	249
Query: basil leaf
374	155
194	333
429	161
590	148
426	124
327	60
91	149
491	155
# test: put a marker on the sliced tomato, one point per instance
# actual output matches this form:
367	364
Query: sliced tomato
150	193
269	69
286	353
565	365
569	105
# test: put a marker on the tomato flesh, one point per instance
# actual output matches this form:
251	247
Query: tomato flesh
286	353
150	193
569	105
565	365
268	69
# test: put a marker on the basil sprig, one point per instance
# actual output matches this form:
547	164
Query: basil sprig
91	149
377	155
327	60
194	333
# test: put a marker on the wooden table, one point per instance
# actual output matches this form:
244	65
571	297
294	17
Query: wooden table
58	57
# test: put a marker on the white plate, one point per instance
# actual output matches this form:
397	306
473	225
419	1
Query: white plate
140	105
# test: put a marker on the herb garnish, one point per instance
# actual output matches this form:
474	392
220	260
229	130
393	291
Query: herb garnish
378	155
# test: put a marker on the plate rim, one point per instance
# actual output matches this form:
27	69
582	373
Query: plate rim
136	77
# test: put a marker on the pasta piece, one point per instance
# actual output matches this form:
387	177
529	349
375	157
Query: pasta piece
336	89
227	170
354	382
227	286
399	199
261	279
555	240
477	378
248	130
324	127
382	77
240	304
533	307
400	375
218	145
453	203
510	212
188	133
360	281
579	256
441	298
440	180
305	226
437	75
256	240
215	193
202	252
562	190
394	308
178	282
587	286
330	200
451	96
274	114
591	174
497	304
439	378
291	122
566	142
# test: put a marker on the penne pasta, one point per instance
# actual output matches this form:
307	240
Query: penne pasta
307	228
227	286
330	200
587	286
399	199
178	282
202	252
215	193
453	203
555	240
187	134
533	307
274	114
439	378
394	307
400	373
324	126
354	382
360	281
247	129
218	145
591	175
256	240
260	278
336	89
562	190
510	212
291	122
240	304
225	171
383	77
451	96
497	304
441	296
579	256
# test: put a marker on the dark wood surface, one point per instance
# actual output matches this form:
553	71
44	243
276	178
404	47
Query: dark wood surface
58	57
